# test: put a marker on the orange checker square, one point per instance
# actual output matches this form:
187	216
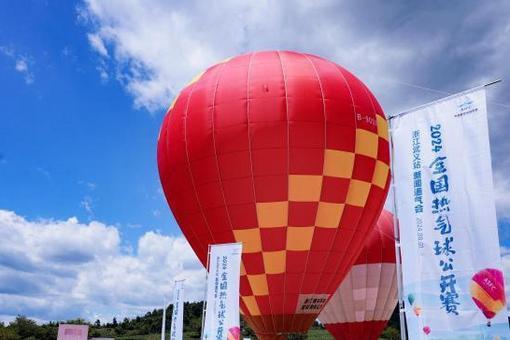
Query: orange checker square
250	239
274	261
302	214
334	189
272	214
299	238
258	284
363	168
338	163
358	193
273	238
305	188
381	174
251	304
382	127
366	143
329	214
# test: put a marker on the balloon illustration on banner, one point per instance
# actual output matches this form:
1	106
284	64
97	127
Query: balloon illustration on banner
410	298
426	330
287	153
364	302
488	292
234	333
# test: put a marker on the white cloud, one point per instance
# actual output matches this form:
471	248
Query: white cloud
66	269
21	63
97	43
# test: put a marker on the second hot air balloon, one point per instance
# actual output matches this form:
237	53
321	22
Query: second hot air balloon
287	153
366	298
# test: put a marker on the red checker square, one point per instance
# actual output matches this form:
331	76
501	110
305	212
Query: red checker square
306	161
310	282
306	134
263	303
232	112
243	308
342	239
339	137
316	261
323	284
275	283
323	239
234	164
340	112
383	150
271	188
290	303
268	162
302	214
377	194
267	109
306	108
217	218
253	263
230	139
363	168
204	170
293	283
244	286
277	302
268	135
238	191
335	259
210	195
350	216
273	239
295	261
334	190
243	216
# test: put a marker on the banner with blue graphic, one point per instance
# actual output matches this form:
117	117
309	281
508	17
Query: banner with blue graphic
176	331
452	276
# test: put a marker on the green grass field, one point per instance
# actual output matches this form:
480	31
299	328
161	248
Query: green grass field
314	334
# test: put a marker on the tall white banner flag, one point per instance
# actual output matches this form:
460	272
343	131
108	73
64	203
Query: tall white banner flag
178	311
222	302
453	283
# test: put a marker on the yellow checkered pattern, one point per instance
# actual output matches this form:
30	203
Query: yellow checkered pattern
308	188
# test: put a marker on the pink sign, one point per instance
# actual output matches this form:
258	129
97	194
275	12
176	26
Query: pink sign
73	332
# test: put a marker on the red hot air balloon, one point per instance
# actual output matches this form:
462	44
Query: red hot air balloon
488	292
287	153
364	302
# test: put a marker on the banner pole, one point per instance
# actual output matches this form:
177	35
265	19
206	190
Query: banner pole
398	257
443	99
204	304
163	324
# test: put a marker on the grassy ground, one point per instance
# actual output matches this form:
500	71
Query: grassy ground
314	334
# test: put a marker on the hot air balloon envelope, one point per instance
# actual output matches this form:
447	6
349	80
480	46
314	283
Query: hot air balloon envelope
287	153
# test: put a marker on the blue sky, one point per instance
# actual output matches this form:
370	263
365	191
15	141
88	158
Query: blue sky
85	84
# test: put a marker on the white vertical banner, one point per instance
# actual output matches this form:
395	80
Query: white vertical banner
453	284
222	301
178	311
